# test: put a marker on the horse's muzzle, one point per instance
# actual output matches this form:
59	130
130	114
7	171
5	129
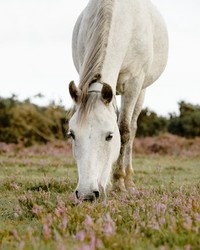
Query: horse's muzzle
88	197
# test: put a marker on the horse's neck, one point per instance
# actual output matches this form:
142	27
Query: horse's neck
118	41
107	40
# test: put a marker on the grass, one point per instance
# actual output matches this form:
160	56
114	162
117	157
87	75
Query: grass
38	209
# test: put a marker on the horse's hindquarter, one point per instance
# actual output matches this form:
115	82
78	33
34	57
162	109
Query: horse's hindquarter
160	48
148	48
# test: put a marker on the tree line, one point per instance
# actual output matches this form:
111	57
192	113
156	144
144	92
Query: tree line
185	124
24	121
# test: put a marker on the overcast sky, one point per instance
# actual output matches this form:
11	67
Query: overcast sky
35	51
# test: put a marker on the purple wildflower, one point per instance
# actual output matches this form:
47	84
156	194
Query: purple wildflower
88	222
80	235
46	231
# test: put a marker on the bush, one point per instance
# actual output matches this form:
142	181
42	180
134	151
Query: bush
150	124
27	122
188	122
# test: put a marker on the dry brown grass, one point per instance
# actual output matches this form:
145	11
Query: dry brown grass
167	144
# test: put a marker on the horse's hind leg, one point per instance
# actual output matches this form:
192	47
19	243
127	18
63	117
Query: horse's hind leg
128	103
128	153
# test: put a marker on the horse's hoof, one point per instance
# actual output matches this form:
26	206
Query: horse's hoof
131	190
130	187
120	189
119	186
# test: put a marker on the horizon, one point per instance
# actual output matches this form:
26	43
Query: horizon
39	100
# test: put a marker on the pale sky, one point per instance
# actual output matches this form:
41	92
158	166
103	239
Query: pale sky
35	51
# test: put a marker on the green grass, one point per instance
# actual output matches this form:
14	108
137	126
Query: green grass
38	209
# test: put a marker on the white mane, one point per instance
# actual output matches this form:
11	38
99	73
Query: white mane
97	35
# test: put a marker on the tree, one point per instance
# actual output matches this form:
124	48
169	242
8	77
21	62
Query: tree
188	122
150	124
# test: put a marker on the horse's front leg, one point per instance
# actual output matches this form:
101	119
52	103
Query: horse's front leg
120	171
128	102
129	184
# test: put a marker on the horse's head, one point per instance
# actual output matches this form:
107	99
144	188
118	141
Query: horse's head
96	138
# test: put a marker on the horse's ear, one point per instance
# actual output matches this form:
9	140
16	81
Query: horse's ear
106	93
74	92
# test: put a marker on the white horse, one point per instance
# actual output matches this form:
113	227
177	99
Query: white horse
119	46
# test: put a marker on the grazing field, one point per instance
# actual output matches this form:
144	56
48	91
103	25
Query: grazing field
38	209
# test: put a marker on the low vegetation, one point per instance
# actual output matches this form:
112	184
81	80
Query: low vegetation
38	209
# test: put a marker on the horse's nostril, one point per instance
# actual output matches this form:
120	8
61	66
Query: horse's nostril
77	196
96	193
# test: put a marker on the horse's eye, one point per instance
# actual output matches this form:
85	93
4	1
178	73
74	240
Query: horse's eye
109	137
71	134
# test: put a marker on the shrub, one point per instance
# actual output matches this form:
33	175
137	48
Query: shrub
188	122
150	124
27	122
